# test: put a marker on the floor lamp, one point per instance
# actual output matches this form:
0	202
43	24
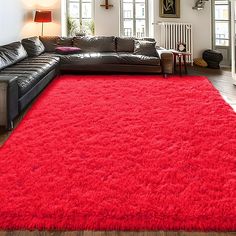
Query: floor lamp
233	40
43	17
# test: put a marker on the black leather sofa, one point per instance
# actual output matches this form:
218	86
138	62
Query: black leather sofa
27	67
110	54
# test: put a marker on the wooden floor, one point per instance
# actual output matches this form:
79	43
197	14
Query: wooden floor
111	233
222	81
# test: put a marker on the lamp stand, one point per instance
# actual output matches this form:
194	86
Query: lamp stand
42	29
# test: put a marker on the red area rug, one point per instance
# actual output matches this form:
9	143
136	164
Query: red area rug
122	153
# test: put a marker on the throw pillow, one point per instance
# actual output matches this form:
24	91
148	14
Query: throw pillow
33	46
67	50
145	48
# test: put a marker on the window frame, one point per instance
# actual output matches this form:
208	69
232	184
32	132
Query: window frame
80	10
134	18
214	21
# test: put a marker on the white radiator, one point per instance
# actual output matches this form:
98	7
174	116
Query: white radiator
174	33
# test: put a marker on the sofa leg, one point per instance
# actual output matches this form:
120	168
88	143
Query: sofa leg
10	125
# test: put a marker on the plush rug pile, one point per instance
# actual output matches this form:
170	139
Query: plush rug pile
122	153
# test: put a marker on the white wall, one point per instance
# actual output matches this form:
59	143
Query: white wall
107	22
201	21
16	20
54	27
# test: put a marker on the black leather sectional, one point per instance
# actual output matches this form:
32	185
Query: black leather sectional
27	67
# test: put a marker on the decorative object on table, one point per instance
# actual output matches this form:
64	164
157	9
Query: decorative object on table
200	62
199	5
170	8
43	17
213	58
181	47
179	56
107	5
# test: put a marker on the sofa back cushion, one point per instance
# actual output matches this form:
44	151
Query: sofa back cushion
49	42
52	42
125	44
65	42
145	48
95	43
33	46
149	39
11	54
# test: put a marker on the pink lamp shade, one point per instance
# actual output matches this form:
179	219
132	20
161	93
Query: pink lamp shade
43	16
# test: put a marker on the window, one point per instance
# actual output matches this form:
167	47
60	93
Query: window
221	23
134	18
80	16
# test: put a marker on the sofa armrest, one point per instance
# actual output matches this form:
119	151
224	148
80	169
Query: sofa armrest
8	99
167	64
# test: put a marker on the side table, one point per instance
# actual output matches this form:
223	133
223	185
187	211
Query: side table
180	55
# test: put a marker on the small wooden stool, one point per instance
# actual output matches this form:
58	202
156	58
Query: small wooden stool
179	55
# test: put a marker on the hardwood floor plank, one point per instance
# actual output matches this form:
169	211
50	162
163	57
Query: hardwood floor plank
113	233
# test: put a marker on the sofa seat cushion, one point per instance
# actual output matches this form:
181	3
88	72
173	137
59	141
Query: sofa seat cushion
90	59
129	58
30	71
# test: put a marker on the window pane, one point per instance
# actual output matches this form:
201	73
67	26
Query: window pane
140	10
87	10
140	28
220	42
128	10
222	30
128	28
74	10
88	26
134	18
221	2
222	12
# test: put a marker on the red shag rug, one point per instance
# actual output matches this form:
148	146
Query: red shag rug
122	153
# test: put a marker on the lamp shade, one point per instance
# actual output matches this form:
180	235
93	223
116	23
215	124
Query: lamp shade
43	16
